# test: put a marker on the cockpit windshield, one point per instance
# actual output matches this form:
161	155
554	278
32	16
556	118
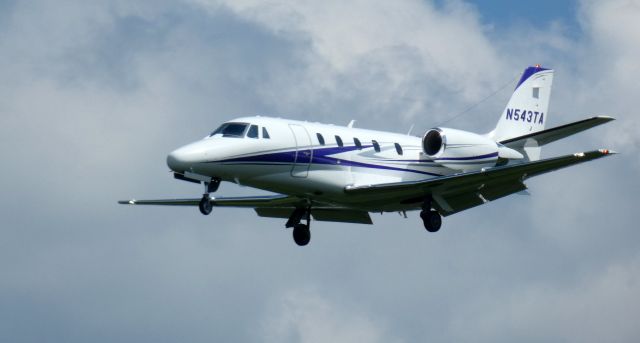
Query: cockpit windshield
231	130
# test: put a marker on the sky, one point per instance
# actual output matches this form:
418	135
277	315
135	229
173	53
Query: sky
96	93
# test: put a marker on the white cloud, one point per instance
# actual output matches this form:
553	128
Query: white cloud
306	316
385	54
596	309
610	61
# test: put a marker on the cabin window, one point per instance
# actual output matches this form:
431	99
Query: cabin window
357	143
398	148
265	134
320	138
339	141
231	130
376	146
253	131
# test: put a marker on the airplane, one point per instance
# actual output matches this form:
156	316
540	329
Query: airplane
342	174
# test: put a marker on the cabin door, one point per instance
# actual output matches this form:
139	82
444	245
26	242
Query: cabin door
304	153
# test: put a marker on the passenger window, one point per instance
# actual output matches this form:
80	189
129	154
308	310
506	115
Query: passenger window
253	131
357	143
398	148
320	138
339	141
265	134
376	146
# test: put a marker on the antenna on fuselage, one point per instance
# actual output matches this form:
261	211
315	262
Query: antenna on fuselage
410	129
353	121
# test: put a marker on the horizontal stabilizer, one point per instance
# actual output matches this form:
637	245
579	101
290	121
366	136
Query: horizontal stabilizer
543	137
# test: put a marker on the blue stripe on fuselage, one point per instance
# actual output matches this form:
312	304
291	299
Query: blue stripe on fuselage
319	156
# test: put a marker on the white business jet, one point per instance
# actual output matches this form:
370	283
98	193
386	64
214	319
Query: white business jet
340	174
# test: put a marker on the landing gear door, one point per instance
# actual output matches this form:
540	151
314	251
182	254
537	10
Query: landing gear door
304	154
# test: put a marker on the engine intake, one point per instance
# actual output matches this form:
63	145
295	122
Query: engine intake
432	142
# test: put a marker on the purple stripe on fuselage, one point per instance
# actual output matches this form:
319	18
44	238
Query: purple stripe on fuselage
320	156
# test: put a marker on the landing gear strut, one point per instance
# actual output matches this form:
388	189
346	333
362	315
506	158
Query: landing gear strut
430	218
205	205
301	232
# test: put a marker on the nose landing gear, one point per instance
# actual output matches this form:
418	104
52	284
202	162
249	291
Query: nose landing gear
205	204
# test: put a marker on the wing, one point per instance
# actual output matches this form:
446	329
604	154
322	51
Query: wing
458	192
273	206
278	200
543	137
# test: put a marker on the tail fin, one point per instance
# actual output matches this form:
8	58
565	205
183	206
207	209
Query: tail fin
526	111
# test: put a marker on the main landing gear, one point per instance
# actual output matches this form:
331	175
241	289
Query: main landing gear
205	205
301	232
430	218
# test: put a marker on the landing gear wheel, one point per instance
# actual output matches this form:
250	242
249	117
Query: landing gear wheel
205	205
432	220
301	234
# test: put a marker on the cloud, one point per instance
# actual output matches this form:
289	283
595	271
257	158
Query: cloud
609	55
594	309
402	59
306	316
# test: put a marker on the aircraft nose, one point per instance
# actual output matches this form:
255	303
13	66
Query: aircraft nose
174	161
184	158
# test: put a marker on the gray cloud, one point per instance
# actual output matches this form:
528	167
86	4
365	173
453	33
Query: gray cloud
96	94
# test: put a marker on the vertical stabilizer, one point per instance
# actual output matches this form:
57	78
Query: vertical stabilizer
527	110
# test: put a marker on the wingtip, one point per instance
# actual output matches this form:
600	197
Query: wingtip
126	202
606	118
608	152
595	153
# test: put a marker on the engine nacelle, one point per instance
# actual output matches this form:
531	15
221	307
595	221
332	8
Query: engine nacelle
463	150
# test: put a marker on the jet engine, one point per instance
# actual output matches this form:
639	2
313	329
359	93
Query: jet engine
463	150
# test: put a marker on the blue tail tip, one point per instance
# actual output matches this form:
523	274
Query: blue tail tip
529	72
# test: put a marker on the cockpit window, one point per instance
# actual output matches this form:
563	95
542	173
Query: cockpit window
231	130
265	134
253	131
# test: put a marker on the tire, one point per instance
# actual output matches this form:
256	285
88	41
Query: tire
205	206
301	235
432	220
